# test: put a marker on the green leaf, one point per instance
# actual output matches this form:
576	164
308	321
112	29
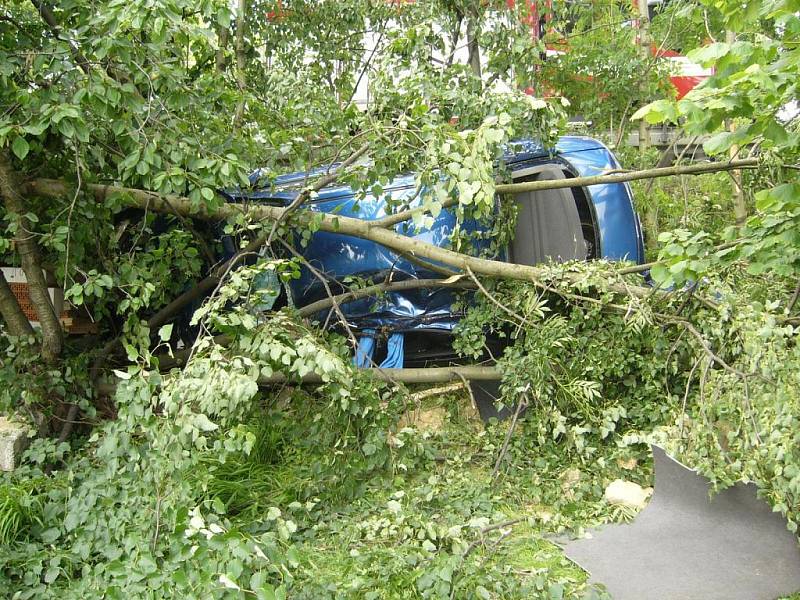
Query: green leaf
719	143
66	128
165	332
778	198
660	273
555	591
679	267
224	17
228	582
20	147
204	423
710	54
657	112
36	128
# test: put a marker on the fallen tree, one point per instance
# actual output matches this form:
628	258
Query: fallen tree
376	231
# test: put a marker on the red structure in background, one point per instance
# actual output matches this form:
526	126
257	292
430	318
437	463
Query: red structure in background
278	13
688	74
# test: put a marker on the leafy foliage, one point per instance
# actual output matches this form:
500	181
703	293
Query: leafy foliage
201	482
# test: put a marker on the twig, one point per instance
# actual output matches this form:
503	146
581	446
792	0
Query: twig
793	299
489	528
520	406
717	359
323	182
686	394
494	300
468	387
437	391
331	295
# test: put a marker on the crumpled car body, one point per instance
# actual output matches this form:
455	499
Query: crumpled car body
597	221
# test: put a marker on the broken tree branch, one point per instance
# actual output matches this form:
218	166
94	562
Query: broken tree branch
521	406
332	223
429	375
180	357
554	184
380	288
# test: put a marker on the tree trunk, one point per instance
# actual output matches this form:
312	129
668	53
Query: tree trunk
16	321
644	54
29	257
473	47
223	34
241	79
739	203
241	24
650	209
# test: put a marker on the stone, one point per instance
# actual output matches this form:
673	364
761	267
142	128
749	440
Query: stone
569	481
13	440
627	493
430	420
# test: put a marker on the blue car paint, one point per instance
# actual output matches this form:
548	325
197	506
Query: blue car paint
340	256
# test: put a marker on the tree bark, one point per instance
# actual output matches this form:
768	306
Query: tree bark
473	47
219	62
241	78
28	250
644	53
16	321
430	375
241	20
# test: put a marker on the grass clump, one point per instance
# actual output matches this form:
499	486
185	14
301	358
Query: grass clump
20	509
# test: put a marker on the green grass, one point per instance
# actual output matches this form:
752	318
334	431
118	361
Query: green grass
406	538
20	509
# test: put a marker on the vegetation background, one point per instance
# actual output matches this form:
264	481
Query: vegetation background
197	482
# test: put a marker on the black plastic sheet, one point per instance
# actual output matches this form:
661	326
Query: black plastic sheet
687	545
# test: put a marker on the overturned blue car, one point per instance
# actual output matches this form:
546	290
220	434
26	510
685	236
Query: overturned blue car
414	327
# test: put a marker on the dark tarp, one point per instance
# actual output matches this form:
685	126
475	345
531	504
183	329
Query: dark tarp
685	545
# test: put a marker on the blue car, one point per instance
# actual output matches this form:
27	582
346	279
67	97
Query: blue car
413	328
